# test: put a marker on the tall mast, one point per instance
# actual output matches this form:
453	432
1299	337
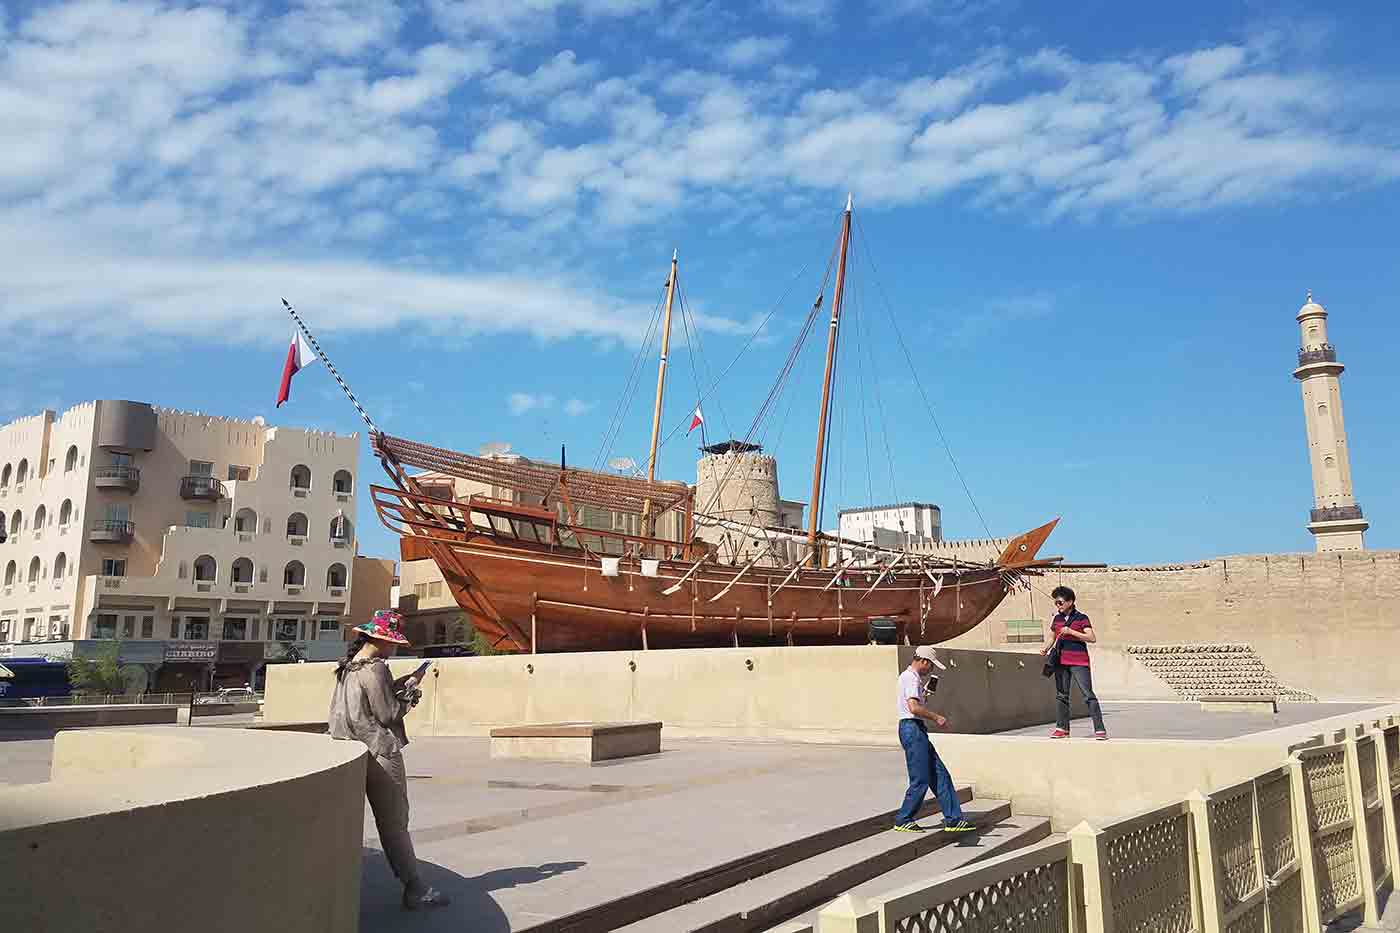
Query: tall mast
660	391
816	505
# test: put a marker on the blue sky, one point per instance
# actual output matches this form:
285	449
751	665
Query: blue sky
1093	226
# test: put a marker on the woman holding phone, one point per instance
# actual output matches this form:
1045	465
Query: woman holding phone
369	706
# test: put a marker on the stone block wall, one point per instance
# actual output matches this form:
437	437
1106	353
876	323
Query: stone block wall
1327	624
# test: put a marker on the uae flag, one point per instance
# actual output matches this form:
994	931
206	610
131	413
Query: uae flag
299	356
696	420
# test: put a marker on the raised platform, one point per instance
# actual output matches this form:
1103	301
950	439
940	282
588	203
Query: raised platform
1264	703
54	718
577	741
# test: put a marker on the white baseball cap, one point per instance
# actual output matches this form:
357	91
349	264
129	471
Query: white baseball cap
927	653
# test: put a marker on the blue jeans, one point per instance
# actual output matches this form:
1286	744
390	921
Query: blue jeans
925	768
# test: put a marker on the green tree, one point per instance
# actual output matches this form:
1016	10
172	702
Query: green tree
101	674
481	645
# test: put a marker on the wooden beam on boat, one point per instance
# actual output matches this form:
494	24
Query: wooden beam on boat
676	588
840	572
884	573
788	579
730	585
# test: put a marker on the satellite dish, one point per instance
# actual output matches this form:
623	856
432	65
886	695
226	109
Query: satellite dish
623	464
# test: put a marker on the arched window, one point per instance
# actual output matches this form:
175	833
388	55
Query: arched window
5	476
344	483
301	477
1322	408
245	522
22	473
65	512
41	515
60	566
70	462
16	517
205	569
242	570
340	527
297	525
335	576
294	574
34	570
11	571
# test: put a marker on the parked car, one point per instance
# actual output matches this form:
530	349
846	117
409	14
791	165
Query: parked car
228	695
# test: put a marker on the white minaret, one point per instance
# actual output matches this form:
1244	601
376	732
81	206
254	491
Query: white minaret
1336	520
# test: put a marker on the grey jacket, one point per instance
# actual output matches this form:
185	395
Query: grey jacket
364	707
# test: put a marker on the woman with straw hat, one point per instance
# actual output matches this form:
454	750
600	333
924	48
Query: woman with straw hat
369	706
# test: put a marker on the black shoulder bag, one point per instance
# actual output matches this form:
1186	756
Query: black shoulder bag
1052	659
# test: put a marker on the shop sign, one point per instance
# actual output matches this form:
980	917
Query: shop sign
241	652
183	651
141	652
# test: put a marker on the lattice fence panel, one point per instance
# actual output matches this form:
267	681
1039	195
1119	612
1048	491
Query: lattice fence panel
1375	841
1392	752
1276	823
1286	905
1232	835
1337	876
1366	762
1325	778
1032	901
1251	921
1148	871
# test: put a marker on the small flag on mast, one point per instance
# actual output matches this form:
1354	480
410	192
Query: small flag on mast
696	420
299	356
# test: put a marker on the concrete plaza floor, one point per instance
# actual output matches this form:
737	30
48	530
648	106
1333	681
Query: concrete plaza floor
517	844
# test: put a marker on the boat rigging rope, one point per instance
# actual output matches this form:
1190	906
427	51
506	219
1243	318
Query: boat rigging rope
629	390
919	384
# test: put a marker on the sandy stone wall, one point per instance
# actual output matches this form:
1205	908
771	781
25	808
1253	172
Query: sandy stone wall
1325	623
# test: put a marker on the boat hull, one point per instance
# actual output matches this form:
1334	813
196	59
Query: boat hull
551	599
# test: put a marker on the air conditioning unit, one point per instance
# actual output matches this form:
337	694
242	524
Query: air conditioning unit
4	626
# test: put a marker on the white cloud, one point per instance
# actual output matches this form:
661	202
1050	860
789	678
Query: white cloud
194	157
575	407
522	402
560	72
753	50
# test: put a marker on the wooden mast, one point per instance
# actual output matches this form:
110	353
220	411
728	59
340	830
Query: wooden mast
815	506
647	520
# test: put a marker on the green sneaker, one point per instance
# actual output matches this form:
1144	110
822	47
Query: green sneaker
909	828
959	826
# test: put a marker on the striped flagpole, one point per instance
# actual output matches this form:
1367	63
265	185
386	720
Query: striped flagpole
331	366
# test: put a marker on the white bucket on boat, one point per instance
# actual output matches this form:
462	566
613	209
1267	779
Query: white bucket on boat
650	567
610	566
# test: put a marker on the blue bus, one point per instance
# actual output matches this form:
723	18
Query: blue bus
34	677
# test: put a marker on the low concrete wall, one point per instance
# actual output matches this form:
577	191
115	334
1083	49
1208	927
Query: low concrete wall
806	694
222	709
53	718
1071	780
169	829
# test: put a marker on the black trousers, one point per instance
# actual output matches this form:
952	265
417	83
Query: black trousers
1064	677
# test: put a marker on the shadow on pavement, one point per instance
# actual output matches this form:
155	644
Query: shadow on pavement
472	908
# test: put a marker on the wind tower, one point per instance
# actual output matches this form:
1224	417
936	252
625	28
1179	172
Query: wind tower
1335	521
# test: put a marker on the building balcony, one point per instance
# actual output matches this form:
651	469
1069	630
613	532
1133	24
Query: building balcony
1323	354
108	531
1340	513
121	478
201	488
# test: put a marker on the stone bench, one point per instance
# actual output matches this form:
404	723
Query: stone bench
577	741
1260	703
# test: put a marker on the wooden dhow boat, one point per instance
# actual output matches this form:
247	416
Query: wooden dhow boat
533	577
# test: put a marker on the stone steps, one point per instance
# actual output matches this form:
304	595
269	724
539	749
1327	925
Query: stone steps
1218	670
664	898
802	888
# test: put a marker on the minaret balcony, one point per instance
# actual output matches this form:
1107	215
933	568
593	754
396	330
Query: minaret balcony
1323	354
1338	513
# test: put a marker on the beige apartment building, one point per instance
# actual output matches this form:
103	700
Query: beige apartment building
204	546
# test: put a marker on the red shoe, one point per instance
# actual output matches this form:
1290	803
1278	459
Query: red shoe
1101	736
1060	734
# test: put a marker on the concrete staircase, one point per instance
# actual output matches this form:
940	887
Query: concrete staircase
765	889
1222	670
